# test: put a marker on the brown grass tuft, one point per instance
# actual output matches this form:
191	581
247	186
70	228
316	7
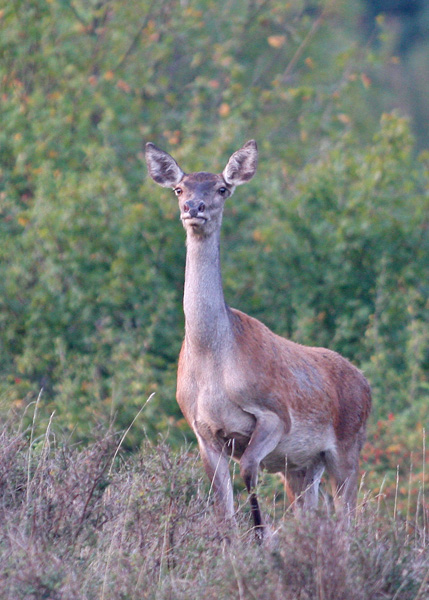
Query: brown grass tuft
73	528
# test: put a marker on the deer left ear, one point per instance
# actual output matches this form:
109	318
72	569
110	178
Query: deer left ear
242	165
162	167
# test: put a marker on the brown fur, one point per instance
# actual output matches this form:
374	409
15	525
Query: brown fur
318	384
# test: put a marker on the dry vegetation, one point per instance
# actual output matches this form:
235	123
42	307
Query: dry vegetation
88	523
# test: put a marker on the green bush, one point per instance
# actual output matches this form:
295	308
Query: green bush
327	245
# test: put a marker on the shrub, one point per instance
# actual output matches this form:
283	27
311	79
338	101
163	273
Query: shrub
90	523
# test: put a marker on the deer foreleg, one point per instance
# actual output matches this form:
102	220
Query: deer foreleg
216	466
265	437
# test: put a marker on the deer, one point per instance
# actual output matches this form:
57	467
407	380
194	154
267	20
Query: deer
247	393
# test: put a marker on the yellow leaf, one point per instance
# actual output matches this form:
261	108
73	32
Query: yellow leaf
365	80
55	96
192	12
224	109
276	41
79	28
344	118
174	138
394	448
124	86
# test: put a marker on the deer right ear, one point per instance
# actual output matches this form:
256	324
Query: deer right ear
242	165
162	167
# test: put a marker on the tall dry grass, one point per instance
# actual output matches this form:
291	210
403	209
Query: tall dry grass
87	523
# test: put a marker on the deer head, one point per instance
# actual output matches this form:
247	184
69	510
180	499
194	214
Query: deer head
202	195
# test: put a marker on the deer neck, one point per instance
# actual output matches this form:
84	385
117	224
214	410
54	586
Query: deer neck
207	325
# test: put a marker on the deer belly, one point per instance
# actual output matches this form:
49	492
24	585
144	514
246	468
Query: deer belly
300	448
234	443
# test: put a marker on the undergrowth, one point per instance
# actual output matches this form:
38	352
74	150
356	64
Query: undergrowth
84	523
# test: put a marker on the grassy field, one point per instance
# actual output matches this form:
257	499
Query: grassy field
92	523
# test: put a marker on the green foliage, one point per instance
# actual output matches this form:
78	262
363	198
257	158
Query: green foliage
349	253
327	245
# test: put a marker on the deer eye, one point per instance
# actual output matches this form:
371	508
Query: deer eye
178	191
222	191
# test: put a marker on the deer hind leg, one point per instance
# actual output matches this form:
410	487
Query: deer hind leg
264	439
302	486
343	468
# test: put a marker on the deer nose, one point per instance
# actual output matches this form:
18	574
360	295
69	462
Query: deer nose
193	209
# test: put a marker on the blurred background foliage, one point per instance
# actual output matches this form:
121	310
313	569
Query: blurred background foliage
327	245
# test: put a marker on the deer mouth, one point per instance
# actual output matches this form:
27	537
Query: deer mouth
194	221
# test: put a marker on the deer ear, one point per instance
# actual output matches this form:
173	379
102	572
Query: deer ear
242	165
162	167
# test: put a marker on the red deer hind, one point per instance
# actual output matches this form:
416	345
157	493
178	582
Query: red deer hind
246	392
